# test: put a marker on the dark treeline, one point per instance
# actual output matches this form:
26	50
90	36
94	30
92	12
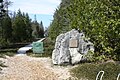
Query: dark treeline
98	19
19	28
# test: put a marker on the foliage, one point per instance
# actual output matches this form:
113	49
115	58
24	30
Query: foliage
7	28
48	47
17	28
90	71
5	23
60	24
21	27
28	24
2	10
35	28
41	30
99	20
89	56
38	29
3	42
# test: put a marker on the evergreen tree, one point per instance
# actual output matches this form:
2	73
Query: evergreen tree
20	27
41	30
28	26
7	28
38	29
61	22
5	23
35	29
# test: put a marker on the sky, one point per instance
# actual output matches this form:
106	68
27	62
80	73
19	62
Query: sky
43	9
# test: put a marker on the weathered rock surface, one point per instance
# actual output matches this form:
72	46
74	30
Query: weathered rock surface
71	47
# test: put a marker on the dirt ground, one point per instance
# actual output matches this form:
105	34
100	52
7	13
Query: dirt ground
23	67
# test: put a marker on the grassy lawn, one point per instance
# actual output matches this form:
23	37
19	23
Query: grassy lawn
90	71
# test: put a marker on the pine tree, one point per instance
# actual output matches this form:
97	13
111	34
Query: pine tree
28	26
7	28
5	23
19	28
38	29
35	29
41	30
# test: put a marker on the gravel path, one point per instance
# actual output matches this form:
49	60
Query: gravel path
22	67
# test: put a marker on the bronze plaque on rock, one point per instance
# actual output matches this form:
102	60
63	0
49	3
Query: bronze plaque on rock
73	43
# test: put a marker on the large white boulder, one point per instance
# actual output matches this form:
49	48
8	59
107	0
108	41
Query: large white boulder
71	47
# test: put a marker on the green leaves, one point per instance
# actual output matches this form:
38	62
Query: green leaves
7	28
99	19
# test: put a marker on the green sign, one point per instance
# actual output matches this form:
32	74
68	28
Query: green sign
37	47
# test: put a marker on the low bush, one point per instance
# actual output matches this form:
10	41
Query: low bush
3	43
48	47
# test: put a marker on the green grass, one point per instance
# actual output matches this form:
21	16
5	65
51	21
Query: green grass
90	71
11	49
8	50
2	55
37	54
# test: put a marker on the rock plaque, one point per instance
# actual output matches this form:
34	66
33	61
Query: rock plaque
73	43
70	48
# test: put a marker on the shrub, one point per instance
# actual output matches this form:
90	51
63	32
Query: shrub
3	42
